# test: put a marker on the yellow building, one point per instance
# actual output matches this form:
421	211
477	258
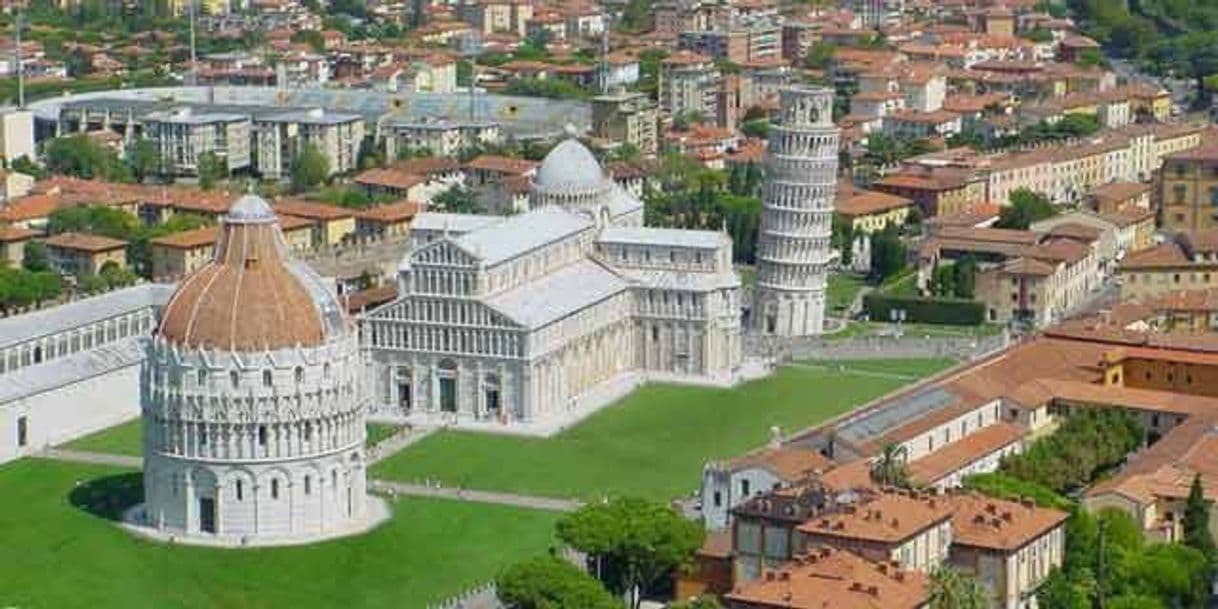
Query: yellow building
12	244
84	254
180	254
331	224
870	211
1188	262
937	191
390	221
1188	190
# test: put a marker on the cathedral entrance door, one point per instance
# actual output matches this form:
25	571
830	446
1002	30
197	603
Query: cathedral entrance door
448	395
404	397
207	515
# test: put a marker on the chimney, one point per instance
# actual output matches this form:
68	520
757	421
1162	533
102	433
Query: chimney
1007	517
769	576
784	576
873	590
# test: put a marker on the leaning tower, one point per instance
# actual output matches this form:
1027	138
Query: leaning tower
796	216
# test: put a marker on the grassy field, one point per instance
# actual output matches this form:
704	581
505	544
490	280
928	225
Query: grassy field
861	329
124	439
842	289
652	443
912	368
379	432
56	554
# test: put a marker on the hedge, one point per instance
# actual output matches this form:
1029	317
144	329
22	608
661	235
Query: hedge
925	310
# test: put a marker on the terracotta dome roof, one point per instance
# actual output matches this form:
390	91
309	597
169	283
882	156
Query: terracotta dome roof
252	295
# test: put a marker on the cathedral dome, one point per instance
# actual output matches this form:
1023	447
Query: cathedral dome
570	166
252	295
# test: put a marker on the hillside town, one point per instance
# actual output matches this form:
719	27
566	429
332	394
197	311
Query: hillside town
689	304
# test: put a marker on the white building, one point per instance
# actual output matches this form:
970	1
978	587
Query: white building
442	137
280	138
71	370
183	136
542	317
253	400
797	208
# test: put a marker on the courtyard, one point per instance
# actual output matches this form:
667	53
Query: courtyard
654	442
651	443
61	550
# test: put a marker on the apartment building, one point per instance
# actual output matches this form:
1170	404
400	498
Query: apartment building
626	117
84	254
833	578
741	43
1010	547
936	190
495	16
688	82
280	138
894	526
180	254
183	136
439	136
1188	261
1188	190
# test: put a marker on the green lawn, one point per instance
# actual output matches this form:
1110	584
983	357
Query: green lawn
379	432
842	289
913	368
860	329
58	555
124	439
652	443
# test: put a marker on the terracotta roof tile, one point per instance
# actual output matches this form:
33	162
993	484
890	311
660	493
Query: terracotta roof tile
84	242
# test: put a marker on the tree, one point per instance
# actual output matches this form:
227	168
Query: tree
144	159
23	164
310	169
887	253
819	55
313	38
458	200
842	238
116	276
888	469
81	157
758	128
953	589
635	542
965	277
212	169
1197	520
637	16
1026	208
34	257
551	583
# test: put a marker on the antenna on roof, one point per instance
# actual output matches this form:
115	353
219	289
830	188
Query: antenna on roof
604	54
20	24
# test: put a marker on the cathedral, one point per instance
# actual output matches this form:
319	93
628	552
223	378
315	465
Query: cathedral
530	318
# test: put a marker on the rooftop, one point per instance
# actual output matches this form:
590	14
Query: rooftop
835	579
519	234
84	242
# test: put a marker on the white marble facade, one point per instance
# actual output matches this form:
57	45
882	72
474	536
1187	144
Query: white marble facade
797	216
518	320
254	420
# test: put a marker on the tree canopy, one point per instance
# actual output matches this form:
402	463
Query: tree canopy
1026	208
310	168
551	583
635	541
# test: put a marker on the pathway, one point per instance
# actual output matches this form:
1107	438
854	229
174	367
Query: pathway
80	456
475	496
405	437
855	371
383	486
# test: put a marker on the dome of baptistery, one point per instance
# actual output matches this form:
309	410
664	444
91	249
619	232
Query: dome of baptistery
252	398
250	296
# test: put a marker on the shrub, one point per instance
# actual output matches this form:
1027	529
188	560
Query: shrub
925	310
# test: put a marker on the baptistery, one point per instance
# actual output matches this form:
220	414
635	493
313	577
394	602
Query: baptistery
252	400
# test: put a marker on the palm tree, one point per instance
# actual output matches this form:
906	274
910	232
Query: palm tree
889	467
952	589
